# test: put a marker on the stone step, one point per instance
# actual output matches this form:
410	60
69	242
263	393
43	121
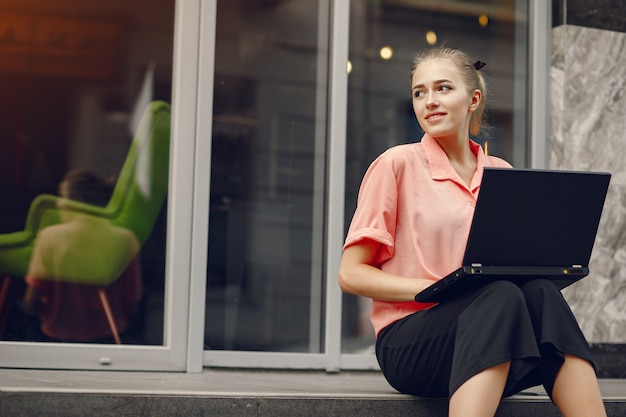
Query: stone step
226	393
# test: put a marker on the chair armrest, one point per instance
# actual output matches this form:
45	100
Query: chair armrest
47	202
8	240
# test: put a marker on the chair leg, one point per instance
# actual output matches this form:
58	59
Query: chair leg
106	306
4	309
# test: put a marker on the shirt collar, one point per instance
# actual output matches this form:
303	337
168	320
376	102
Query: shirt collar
440	167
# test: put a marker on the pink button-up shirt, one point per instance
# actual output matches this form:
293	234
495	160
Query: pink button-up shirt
414	203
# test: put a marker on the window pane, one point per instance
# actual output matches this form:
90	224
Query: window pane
84	114
264	280
384	36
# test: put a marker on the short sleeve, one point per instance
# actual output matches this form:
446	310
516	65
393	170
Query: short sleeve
375	216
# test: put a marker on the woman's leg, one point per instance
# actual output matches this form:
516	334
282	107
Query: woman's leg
501	323
481	394
434	352
568	373
576	391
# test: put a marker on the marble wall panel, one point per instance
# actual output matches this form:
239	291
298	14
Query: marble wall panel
599	14
588	110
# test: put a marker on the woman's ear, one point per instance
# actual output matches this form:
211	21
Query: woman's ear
475	99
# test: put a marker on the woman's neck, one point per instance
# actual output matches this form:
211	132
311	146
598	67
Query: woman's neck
461	157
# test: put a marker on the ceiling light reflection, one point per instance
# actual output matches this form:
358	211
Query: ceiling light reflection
386	52
431	37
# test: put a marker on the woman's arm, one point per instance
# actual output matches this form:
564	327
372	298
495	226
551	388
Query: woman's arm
357	275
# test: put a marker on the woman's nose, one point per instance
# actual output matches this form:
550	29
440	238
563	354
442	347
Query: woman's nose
431	100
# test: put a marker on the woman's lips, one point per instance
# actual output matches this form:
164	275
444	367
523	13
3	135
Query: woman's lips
435	116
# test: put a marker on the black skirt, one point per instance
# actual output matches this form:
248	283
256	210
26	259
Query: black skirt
432	352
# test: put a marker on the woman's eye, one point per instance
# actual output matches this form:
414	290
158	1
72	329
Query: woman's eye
418	94
444	88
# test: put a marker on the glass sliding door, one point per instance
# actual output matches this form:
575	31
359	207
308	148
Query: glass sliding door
87	126
257	121
264	277
384	36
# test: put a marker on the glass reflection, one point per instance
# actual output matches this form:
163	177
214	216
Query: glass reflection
380	113
77	79
264	280
77	293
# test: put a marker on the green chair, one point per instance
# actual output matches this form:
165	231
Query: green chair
135	203
133	208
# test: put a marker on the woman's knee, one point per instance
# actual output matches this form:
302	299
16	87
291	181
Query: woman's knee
548	308
538	286
499	299
542	294
505	291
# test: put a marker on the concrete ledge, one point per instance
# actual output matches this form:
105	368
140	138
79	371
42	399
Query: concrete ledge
240	393
118	405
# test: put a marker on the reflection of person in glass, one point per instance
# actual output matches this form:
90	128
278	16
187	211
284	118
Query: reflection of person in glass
74	260
410	228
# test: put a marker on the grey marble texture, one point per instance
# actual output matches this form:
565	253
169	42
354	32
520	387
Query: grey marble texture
599	14
588	111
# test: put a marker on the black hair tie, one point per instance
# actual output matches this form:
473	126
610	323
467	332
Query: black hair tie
479	64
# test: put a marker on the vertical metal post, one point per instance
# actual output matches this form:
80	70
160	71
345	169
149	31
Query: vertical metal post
540	49
337	111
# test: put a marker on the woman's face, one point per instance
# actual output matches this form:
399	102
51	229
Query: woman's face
441	101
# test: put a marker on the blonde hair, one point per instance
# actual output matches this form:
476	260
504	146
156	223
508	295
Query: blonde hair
474	79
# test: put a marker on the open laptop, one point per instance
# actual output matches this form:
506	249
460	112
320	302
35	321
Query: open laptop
528	224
